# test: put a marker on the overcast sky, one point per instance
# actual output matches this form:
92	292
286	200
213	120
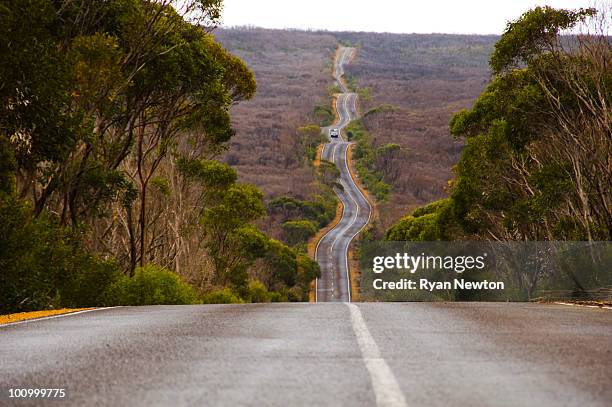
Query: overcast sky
397	16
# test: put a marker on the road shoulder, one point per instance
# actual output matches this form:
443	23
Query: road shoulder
26	316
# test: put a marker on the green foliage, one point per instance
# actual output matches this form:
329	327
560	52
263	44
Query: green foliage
509	105
85	80
232	242
151	285
43	265
298	231
366	158
162	185
34	107
222	296
257	292
320	211
310	137
282	262
308	271
429	223
240	204
214	176
96	100
7	167
537	142
365	94
385	107
532	34
328	173
324	115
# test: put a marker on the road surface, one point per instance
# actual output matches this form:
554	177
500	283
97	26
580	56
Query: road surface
332	249
331	354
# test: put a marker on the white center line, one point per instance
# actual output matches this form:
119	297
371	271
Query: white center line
386	388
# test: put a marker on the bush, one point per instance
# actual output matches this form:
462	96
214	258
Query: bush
257	292
434	221
151	285
43	264
366	158
298	231
224	296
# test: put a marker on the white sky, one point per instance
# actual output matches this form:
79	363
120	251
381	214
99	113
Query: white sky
397	16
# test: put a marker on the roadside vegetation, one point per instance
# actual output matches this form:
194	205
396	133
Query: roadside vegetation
113	116
324	113
536	162
278	131
409	86
369	160
301	219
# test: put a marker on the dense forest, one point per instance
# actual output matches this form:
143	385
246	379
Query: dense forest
113	115
537	162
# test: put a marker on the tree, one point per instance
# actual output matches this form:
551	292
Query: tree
536	164
298	231
231	241
102	92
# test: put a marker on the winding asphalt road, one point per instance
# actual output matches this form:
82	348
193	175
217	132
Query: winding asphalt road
332	354
332	250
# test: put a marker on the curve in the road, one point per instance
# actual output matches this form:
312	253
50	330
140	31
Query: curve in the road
332	249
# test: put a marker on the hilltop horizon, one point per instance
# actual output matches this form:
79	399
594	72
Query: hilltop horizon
326	31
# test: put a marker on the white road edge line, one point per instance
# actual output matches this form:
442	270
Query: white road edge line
583	305
384	383
68	314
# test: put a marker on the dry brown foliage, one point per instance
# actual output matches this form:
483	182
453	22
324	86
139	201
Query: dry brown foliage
425	79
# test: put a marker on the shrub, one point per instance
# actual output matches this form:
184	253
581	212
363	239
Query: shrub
43	264
257	292
428	223
224	296
151	285
298	231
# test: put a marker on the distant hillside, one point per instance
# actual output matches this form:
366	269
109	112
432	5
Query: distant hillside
426	78
293	72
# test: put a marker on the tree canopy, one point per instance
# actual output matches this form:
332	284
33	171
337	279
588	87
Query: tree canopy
538	145
111	116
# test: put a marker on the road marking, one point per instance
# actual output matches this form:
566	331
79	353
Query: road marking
345	229
334	153
584	305
384	383
362	196
25	321
348	114
344	113
317	250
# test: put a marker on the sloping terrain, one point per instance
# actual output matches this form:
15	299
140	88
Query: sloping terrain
292	70
420	80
